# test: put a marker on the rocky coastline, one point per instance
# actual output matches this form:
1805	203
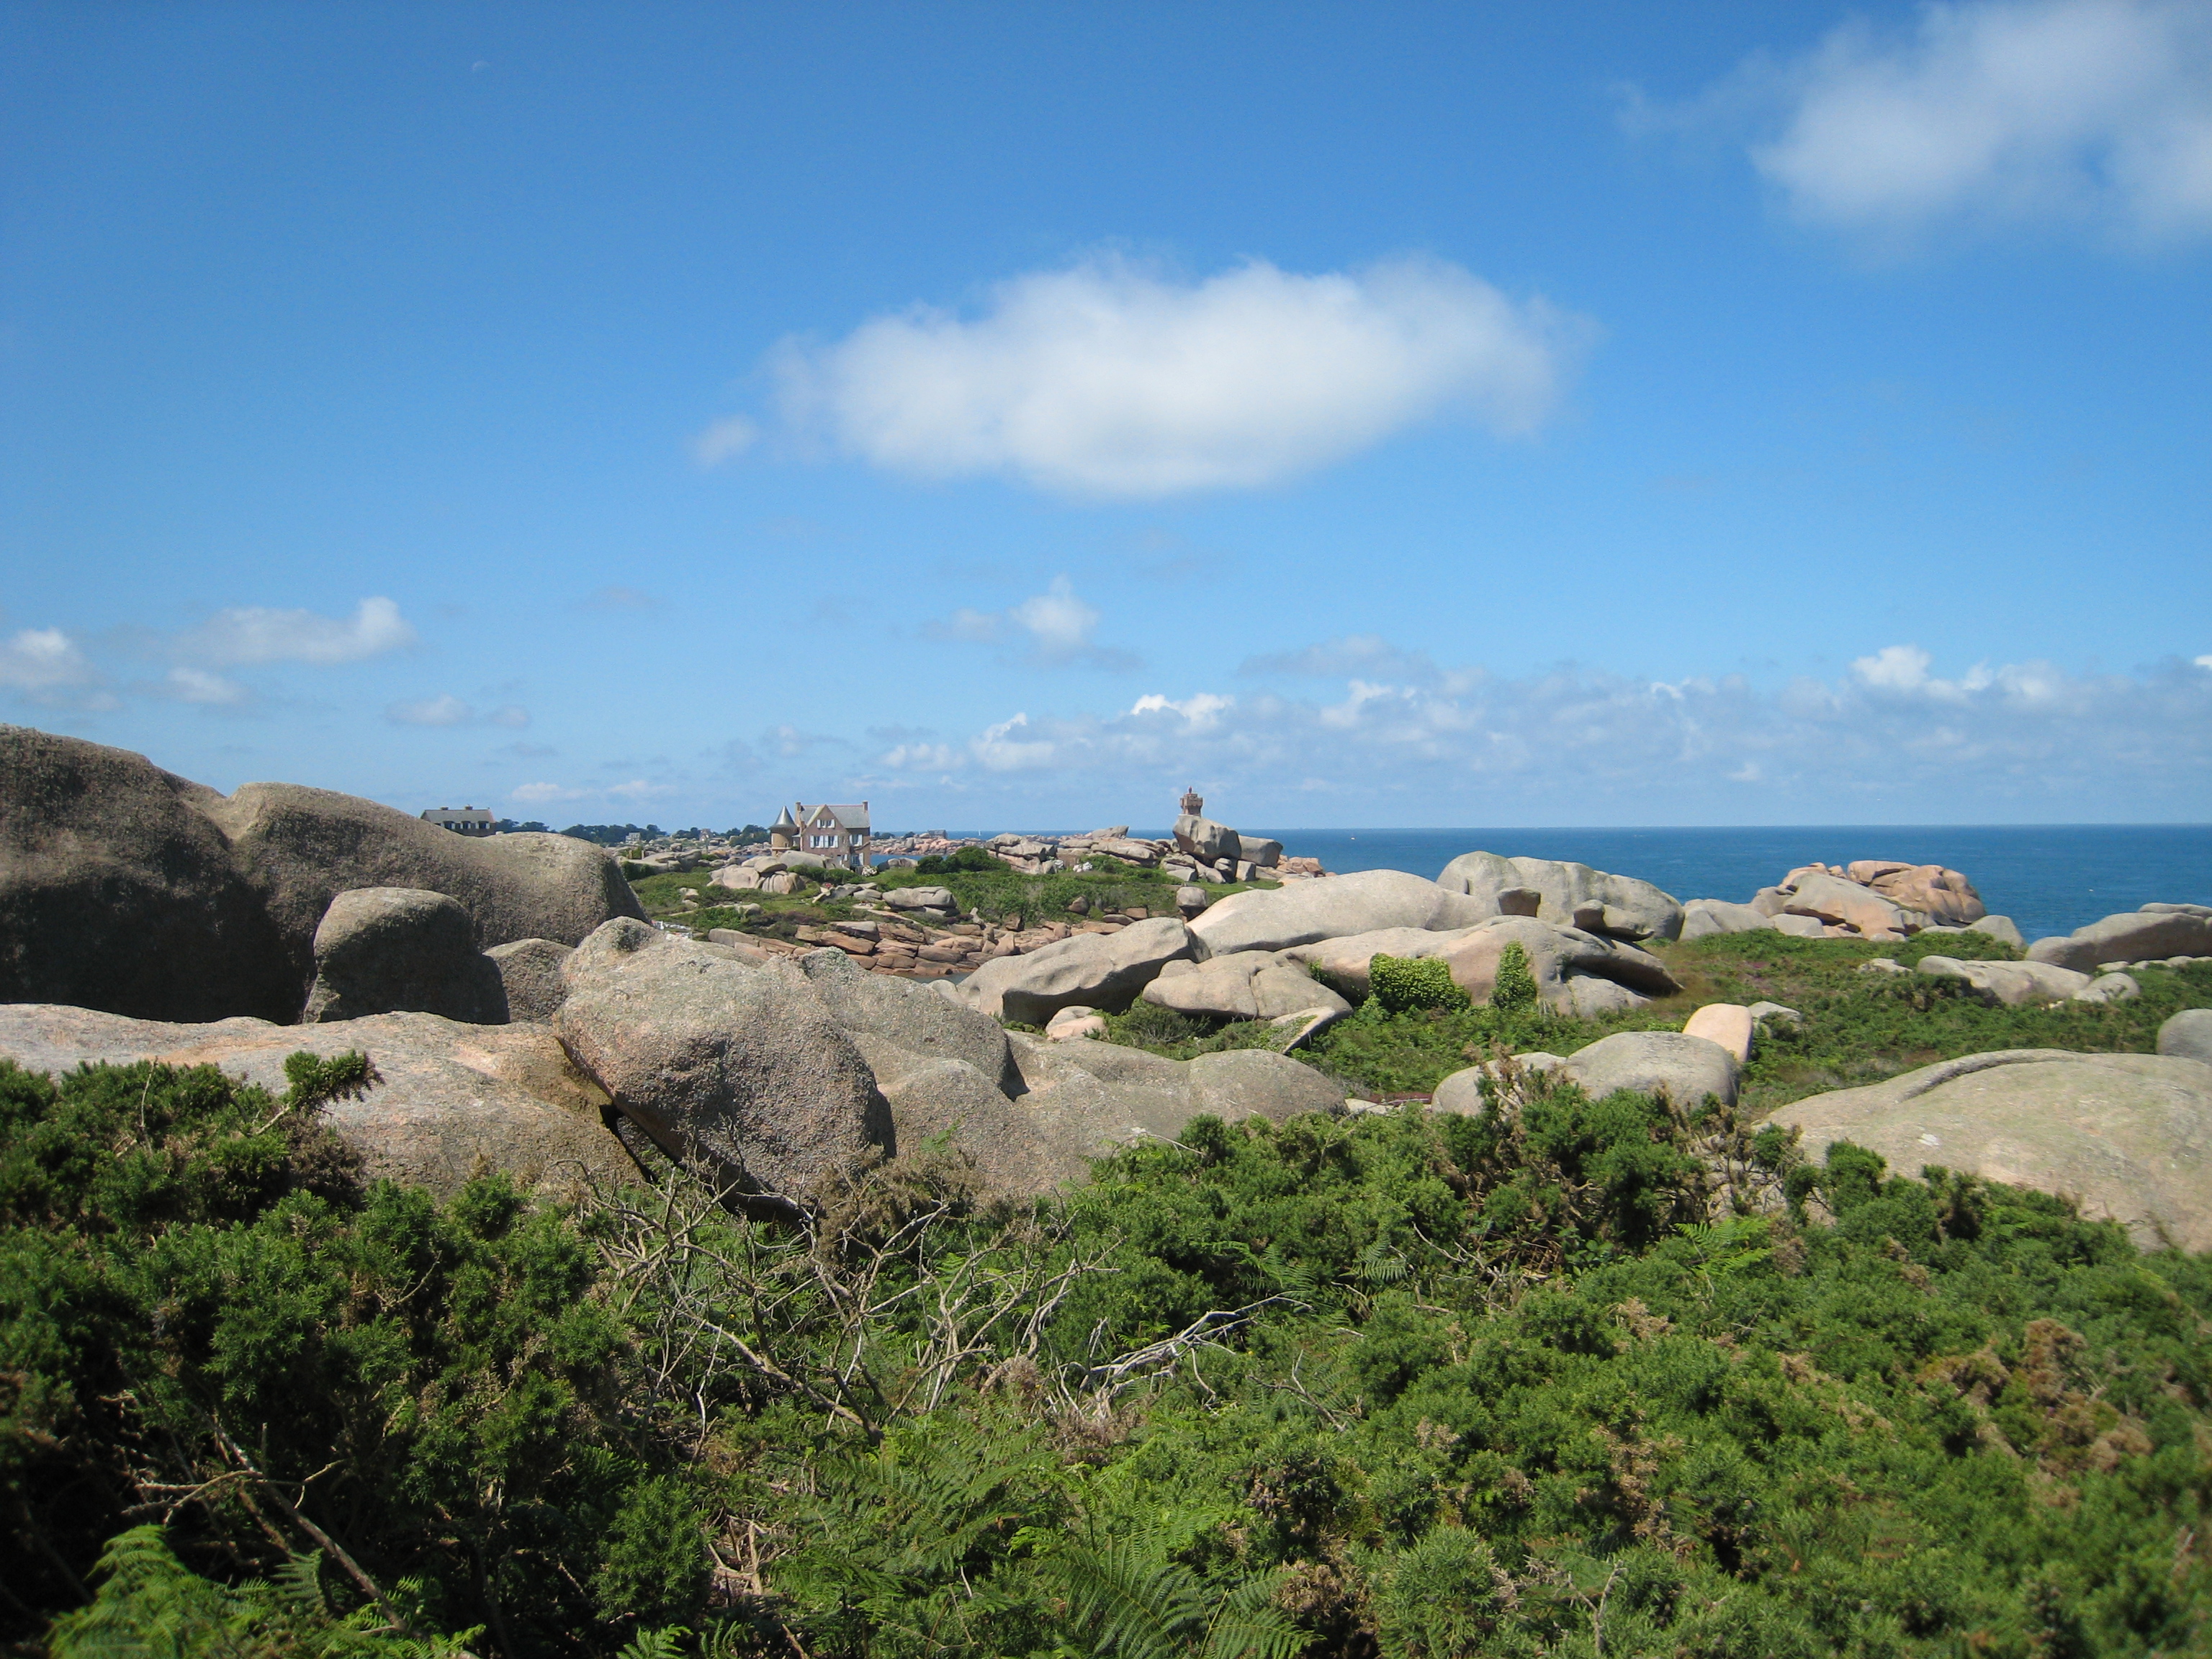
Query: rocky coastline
524	1010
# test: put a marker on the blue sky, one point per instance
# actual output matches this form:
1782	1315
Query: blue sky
1376	414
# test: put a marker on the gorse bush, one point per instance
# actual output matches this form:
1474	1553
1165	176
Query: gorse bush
1404	984
1515	990
1569	1376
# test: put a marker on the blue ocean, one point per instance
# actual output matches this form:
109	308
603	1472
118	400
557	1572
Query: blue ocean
2048	879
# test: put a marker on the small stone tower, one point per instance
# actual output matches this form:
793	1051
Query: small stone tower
783	833
1194	804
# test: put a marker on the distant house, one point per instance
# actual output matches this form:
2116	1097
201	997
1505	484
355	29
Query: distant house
463	820
837	833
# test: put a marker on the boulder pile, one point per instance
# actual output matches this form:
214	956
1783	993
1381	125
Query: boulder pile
127	889
1879	899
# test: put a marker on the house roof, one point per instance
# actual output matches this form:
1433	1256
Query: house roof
852	815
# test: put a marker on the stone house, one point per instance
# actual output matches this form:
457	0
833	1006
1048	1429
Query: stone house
838	833
462	821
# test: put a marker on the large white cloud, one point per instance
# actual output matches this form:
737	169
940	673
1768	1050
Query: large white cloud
47	666
254	634
1109	379
1890	741
2092	111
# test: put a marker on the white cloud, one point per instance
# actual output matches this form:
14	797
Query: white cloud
48	666
639	789
1201	711
1109	379
2204	662
198	685
725	440
2093	112
1893	738
1058	624
542	794
446	710
511	716
253	634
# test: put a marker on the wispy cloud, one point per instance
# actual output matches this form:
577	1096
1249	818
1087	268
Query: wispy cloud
1055	626
546	794
1111	379
724	440
1893	736
447	709
2088	114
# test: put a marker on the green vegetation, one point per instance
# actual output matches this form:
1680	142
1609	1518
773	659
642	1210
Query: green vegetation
1515	990
1406	985
1575	1377
1858	1028
1002	894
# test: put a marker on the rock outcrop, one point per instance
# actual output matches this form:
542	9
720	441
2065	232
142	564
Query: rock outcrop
127	889
1873	898
1363	902
1099	970
2014	984
2188	1035
447	1101
1685	1067
402	950
1244	985
1569	895
717	1056
530	975
2150	933
1702	918
2128	1135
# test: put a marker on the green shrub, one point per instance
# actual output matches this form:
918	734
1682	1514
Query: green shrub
967	860
1515	991
1403	984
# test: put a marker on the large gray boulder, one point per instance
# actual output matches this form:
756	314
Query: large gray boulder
1242	1083
300	847
125	888
1363	902
2013	984
1244	985
1572	894
916	1018
2188	1035
1098	970
1014	1150
2129	1135
118	891
1203	838
713	1055
393	950
1838	902
920	898
2132	936
1702	918
1688	1069
447	1101
530	975
1260	851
